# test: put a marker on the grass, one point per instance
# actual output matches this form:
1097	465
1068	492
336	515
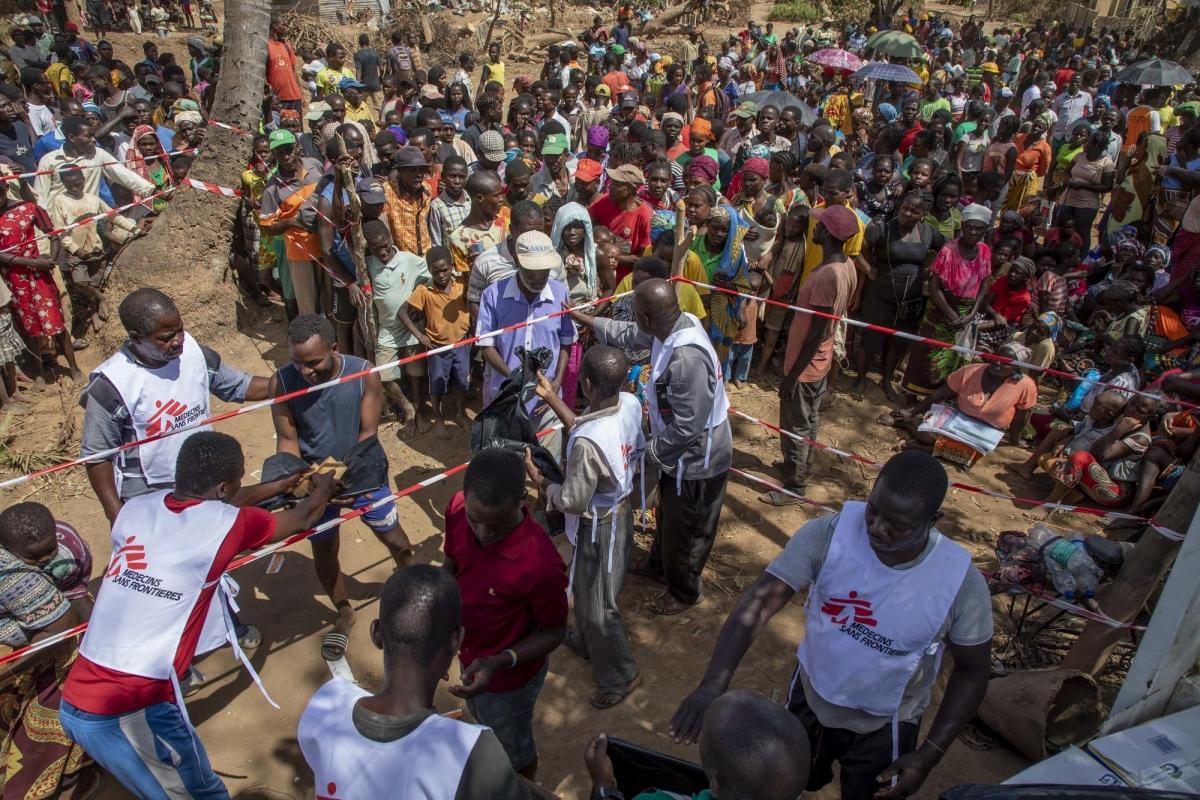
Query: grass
795	11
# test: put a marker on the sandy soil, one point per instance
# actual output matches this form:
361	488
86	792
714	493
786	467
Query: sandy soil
253	746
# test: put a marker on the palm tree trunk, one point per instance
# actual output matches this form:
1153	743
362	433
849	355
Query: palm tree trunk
186	252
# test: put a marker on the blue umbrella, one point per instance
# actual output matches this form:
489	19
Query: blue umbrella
882	71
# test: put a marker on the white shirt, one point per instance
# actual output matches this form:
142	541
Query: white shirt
1034	92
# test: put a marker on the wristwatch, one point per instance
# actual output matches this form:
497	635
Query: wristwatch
603	792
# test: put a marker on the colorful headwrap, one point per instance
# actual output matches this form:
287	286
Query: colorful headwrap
597	136
887	111
1131	245
662	221
758	151
759	166
702	127
1163	251
703	166
1053	322
289	113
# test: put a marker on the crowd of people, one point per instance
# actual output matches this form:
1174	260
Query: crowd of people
1000	192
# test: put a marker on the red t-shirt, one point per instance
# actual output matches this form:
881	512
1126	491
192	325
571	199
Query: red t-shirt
632	226
99	690
1010	301
281	71
509	589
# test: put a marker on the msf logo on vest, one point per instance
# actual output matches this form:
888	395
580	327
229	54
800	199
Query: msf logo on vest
848	610
171	415
131	556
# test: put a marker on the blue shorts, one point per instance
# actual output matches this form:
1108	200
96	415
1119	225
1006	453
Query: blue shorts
449	368
380	520
153	752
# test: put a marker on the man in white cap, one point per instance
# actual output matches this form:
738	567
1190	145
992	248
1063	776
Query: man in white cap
529	294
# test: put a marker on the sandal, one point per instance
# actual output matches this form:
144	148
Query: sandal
888	419
607	698
641	567
779	499
668	606
333	645
248	637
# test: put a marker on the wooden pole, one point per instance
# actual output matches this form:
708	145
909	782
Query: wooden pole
1143	570
492	25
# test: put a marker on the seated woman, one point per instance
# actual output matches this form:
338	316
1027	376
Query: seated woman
1040	336
1100	455
991	399
44	570
1174	341
1172	447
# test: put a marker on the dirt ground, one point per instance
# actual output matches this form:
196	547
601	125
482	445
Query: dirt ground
253	745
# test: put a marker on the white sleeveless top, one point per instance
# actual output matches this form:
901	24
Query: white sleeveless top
427	764
159	568
660	357
618	437
159	400
868	625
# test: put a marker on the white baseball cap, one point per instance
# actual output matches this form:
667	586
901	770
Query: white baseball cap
535	251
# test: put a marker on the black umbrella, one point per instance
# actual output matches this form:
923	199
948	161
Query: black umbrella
1154	72
781	100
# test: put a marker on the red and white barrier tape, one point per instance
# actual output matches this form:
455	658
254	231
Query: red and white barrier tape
69	167
776	487
112	212
212	187
1095	512
966	351
271	549
1066	605
104	455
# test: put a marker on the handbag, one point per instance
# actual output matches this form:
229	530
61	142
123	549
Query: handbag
906	310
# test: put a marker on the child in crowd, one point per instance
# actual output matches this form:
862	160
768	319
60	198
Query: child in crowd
785	263
442	304
87	257
741	352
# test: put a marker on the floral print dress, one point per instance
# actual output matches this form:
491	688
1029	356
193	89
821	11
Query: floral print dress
35	295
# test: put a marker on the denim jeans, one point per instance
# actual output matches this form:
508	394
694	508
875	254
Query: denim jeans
737	363
510	716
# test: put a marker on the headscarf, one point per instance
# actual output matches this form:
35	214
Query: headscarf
189	116
758	151
1163	251
1013	216
1052	321
597	136
289	113
1014	350
758	165
568	214
702	127
704	166
135	161
661	222
1131	245
92	108
184	104
723	316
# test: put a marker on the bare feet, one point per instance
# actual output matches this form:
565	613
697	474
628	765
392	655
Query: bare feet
1024	469
463	421
858	390
889	391
440	429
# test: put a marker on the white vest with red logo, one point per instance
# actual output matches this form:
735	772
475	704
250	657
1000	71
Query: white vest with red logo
159	568
427	764
867	626
660	357
618	437
158	400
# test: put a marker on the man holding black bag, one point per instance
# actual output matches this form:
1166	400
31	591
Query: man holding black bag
341	422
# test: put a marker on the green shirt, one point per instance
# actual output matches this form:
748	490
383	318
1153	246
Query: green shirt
662	794
927	108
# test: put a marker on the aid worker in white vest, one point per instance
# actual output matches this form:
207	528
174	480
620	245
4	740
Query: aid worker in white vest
604	452
690	445
161	379
364	746
158	605
888	594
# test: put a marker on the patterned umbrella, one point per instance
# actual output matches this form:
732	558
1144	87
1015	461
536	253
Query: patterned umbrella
882	71
895	43
1154	72
836	58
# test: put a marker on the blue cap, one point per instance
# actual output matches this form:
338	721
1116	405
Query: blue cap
350	83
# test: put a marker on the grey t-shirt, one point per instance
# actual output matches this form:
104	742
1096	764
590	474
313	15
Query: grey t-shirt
488	774
969	622
689	389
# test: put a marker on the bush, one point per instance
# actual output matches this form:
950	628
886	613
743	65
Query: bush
795	11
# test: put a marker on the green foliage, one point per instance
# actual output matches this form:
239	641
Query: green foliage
795	11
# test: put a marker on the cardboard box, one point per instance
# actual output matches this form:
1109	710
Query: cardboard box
1071	767
1163	755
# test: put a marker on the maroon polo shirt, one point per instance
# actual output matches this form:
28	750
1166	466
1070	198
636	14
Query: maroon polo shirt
509	589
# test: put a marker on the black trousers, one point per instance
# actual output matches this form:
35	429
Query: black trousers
861	756
686	528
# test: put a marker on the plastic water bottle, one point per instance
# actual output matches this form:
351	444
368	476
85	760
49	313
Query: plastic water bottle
1068	565
1086	382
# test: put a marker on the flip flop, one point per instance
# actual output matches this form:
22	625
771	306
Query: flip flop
248	637
667	606
333	645
888	419
779	499
607	698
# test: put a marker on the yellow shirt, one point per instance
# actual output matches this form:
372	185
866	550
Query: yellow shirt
328	80
496	72
814	254
59	74
364	113
1166	115
689	299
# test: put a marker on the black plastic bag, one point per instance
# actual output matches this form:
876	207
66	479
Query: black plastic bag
638	769
505	423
